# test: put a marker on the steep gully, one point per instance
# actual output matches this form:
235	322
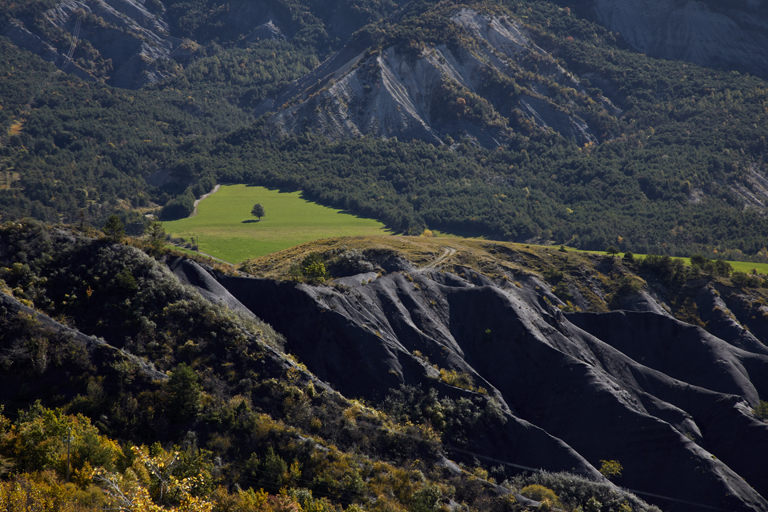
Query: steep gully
669	400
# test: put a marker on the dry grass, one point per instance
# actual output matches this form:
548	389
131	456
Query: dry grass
494	259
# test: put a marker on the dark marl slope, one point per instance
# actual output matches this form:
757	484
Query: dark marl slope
668	400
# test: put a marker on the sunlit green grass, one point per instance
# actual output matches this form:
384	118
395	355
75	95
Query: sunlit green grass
745	266
225	228
738	266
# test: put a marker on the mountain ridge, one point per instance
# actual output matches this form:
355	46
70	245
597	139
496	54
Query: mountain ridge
402	93
721	37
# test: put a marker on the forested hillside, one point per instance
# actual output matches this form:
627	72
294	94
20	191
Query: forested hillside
540	125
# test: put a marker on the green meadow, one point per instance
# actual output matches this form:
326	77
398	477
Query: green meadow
225	228
738	266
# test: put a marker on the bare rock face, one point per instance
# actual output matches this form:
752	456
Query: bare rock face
25	39
731	35
670	401
266	31
434	92
133	41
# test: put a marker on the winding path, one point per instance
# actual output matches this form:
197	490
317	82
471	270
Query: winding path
197	202
447	253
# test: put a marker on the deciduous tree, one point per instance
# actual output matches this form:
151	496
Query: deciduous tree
258	211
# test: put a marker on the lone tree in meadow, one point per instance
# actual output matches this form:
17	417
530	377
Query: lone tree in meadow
257	211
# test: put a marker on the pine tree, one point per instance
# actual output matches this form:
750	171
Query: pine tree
114	229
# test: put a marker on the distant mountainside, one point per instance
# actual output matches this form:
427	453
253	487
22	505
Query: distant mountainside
726	35
130	44
429	93
526	121
133	40
120	42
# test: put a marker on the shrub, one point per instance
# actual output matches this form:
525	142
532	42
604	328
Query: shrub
629	285
553	276
185	393
458	379
313	267
610	468
761	411
744	280
577	491
723	268
350	262
541	493
114	229
179	207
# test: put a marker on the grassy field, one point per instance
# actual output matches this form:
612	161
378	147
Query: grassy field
738	266
225	228
745	266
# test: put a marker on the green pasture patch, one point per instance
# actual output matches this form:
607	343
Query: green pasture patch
738	266
746	267
224	227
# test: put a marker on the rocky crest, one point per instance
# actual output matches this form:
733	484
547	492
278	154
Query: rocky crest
134	42
439	91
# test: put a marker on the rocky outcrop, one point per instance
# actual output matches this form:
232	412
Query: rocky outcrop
266	31
671	401
438	91
131	39
192	274
26	40
731	35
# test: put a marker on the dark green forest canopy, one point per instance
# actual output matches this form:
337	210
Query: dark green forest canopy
673	171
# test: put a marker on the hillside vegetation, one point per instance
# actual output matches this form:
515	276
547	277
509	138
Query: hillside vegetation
190	406
427	374
521	121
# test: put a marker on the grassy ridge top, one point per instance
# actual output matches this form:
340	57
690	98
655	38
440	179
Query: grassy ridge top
493	258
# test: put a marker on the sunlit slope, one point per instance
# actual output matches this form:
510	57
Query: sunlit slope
225	228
